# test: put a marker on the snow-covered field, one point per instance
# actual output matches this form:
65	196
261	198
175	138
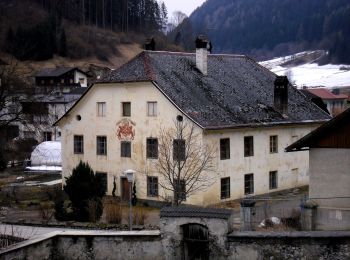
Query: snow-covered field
311	75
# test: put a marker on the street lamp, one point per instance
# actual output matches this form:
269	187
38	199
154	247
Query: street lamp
130	176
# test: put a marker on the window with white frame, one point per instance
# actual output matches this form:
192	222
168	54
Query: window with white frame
125	149
248	146
273	144
126	108
248	183
152	148
101	109
101	145
273	180
224	148
152	108
225	188
152	186
78	144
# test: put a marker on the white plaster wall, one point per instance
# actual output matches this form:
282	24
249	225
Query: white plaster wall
138	94
90	126
78	75
262	162
330	176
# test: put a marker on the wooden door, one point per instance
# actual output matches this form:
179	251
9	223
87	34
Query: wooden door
125	195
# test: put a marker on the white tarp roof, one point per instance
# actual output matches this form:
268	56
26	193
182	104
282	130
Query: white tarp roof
47	153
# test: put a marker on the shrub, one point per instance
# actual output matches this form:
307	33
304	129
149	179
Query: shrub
81	187
46	211
61	213
114	213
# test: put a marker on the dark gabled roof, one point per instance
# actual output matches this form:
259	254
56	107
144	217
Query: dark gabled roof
194	212
236	92
56	72
324	130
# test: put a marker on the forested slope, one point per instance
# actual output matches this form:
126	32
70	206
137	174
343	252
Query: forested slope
265	28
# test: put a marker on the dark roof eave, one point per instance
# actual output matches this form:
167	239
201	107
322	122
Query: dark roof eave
122	81
305	142
269	124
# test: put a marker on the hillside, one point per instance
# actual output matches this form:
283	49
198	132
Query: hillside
35	34
268	28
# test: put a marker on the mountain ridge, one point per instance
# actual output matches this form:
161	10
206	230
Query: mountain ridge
267	28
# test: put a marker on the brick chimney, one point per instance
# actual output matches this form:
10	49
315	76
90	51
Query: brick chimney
202	47
280	97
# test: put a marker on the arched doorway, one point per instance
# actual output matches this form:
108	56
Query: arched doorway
195	242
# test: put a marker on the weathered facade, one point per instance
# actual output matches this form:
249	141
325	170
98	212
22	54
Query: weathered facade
235	105
329	147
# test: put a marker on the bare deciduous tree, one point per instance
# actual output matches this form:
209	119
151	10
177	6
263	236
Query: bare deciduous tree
178	17
12	91
185	163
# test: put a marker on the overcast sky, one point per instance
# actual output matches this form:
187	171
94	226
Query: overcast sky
185	6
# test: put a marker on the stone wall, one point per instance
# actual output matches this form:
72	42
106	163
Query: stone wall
89	245
291	245
167	245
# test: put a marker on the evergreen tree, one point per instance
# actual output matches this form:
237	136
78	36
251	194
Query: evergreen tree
82	187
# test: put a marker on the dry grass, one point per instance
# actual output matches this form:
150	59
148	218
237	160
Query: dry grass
46	211
114	213
139	216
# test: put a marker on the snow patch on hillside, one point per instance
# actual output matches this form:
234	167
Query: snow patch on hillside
310	74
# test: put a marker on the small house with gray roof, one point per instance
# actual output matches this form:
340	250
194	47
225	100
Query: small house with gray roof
241	109
61	77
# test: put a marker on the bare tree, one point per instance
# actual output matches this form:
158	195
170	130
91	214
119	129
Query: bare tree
12	91
185	163
178	17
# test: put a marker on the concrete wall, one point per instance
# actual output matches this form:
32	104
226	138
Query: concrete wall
330	177
292	167
329	187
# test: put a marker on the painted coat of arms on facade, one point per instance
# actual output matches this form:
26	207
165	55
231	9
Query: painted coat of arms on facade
125	130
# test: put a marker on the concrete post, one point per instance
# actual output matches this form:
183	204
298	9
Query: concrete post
308	215
246	211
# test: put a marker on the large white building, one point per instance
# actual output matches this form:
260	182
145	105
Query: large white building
247	113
